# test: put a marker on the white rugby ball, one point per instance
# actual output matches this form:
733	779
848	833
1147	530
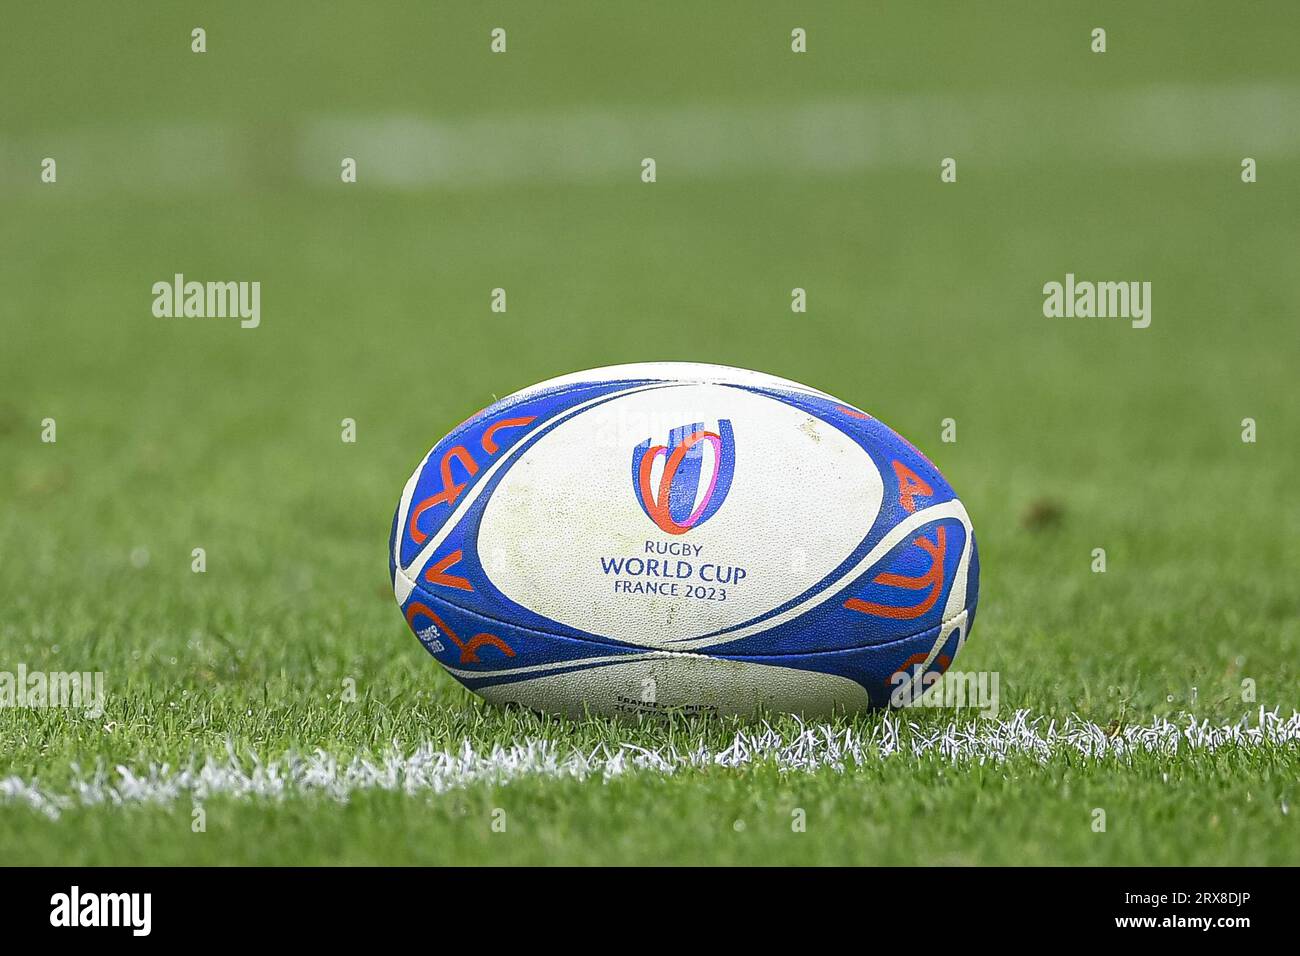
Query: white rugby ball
675	536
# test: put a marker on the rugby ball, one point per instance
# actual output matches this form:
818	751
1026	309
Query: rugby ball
674	536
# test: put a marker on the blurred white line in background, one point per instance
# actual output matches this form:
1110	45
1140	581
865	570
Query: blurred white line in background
835	136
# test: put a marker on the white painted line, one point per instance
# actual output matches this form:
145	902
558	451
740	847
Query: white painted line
426	770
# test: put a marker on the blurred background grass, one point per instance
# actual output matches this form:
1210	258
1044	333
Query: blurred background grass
924	304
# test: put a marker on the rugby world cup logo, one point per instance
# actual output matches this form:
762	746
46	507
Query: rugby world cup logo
682	484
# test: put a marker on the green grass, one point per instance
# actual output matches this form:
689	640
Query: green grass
924	304
1221	810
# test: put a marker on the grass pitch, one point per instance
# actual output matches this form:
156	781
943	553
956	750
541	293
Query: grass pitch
924	304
